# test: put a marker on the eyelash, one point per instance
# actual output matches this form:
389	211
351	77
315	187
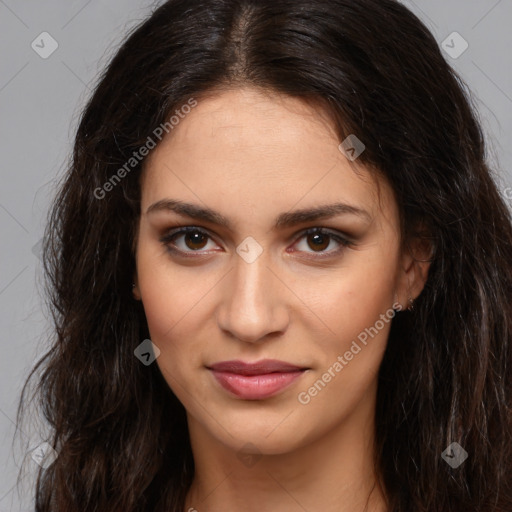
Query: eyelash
169	237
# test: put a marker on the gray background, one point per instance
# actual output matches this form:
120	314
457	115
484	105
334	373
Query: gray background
40	100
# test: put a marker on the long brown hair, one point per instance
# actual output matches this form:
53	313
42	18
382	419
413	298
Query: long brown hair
119	431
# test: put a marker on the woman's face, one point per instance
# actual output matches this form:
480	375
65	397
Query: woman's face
247	284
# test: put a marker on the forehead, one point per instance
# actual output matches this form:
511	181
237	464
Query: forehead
246	148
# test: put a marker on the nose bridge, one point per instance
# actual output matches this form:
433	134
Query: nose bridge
252	305
250	280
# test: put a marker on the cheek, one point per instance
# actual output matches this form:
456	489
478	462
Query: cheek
170	293
173	315
172	304
353	298
350	306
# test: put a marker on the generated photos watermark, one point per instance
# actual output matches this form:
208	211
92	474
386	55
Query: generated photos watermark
304	397
147	352
454	455
44	455
352	147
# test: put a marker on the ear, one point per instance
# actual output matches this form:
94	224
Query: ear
414	266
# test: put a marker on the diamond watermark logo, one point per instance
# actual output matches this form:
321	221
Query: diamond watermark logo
147	352
37	250
44	45
44	455
455	45
249	250
249	459
454	455
352	147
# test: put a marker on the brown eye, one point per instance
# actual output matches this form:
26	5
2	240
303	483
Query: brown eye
186	240
195	240
318	241
189	240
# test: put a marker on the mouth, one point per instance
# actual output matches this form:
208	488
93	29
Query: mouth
255	381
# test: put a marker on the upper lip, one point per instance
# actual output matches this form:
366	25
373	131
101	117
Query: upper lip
258	368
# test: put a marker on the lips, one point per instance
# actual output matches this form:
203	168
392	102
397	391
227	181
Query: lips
255	381
264	366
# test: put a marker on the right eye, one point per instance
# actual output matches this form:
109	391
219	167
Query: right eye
190	239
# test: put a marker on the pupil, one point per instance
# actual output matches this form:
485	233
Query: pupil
320	240
195	239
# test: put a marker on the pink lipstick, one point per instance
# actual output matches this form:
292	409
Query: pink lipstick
255	381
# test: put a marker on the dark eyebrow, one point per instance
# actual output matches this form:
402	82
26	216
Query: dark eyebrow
283	220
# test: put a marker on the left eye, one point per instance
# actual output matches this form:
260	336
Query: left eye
194	240
319	238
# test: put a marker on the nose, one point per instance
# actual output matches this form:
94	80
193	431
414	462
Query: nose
253	305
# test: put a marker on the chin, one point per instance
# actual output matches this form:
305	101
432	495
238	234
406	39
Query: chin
261	436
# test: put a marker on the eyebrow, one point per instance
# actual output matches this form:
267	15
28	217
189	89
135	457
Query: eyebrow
285	219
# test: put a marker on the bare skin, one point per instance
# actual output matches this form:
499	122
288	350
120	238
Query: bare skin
252	156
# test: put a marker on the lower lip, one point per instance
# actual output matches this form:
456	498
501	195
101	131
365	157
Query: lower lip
256	387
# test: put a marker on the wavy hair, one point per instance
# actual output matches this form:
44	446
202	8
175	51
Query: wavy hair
120	433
